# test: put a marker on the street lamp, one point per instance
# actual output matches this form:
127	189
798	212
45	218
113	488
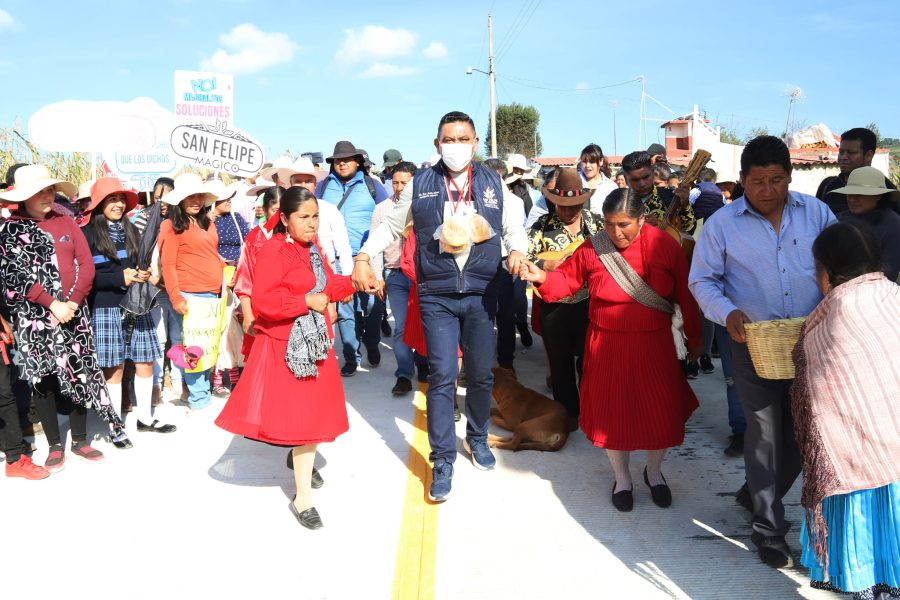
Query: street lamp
490	73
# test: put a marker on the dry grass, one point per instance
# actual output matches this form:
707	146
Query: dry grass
70	166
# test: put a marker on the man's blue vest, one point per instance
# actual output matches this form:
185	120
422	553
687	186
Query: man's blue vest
436	271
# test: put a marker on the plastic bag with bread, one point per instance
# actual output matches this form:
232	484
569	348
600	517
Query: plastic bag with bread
481	229
455	234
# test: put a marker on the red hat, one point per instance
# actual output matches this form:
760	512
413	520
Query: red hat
101	190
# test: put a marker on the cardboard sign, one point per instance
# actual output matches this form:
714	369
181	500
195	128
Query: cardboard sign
218	147
204	97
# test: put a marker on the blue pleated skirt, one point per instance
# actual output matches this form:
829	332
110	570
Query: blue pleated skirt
863	541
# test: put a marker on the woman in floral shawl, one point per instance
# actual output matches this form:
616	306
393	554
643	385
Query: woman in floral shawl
845	401
47	271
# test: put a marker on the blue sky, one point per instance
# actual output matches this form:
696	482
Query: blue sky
381	74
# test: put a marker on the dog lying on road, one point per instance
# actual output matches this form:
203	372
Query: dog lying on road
537	422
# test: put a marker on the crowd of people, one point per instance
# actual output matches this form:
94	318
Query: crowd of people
114	297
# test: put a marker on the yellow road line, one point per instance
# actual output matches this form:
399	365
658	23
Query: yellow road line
417	548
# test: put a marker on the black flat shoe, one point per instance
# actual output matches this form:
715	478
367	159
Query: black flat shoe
309	518
773	550
123	444
623	501
315	481
661	494
156	427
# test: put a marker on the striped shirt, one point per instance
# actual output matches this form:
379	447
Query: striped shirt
741	262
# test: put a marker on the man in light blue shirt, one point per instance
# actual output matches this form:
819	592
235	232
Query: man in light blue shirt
355	194
754	262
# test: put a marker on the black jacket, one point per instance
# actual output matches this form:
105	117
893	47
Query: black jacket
109	279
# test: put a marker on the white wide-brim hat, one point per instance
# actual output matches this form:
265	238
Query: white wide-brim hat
31	179
281	162
518	161
862	181
188	184
262	184
301	166
84	190
224	192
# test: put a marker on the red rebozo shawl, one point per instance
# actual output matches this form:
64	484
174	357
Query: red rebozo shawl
846	395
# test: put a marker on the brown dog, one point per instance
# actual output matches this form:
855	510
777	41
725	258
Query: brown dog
537	422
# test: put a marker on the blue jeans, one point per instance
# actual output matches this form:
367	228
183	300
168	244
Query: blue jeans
451	321
359	321
199	395
735	412
174	324
512	308
398	295
198	389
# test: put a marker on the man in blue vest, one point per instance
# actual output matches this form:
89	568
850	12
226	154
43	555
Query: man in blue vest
355	194
457	285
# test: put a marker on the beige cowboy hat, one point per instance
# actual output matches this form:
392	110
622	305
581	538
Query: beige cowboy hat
262	184
84	190
569	190
301	166
31	179
188	184
280	163
865	181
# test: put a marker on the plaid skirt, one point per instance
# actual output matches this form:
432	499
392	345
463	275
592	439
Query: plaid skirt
109	334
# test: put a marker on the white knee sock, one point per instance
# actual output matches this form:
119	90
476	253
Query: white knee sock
115	397
143	392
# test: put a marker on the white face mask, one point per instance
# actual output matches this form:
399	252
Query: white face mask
457	156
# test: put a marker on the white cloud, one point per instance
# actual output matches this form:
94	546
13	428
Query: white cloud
583	85
380	69
249	50
435	51
6	20
374	42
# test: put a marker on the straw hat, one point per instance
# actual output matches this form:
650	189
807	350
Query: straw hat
31	179
280	163
188	184
865	181
569	190
301	166
84	190
262	184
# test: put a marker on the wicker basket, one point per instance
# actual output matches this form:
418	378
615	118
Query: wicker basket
771	343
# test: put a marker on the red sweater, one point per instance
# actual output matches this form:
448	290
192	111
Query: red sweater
279	290
190	260
71	248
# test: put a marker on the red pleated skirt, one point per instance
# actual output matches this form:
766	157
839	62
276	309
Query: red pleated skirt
271	405
634	395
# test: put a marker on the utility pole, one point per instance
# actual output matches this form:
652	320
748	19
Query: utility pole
493	83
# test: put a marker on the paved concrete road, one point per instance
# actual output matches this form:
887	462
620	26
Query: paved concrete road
202	514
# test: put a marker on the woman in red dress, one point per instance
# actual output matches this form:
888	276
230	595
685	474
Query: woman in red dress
291	393
634	395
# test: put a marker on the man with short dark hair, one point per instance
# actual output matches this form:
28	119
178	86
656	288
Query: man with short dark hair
639	174
754	262
857	149
456	278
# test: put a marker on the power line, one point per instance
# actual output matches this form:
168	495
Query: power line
519	32
525	83
522	8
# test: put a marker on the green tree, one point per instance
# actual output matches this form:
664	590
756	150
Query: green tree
729	136
517	131
873	127
755	132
